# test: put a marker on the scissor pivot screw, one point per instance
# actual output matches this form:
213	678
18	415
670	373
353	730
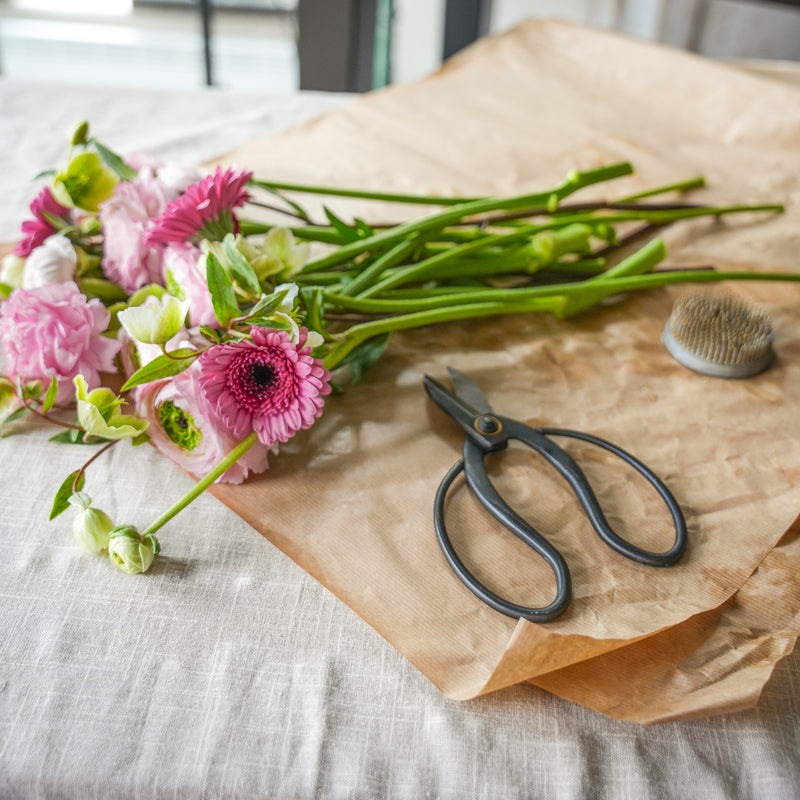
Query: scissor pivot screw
488	424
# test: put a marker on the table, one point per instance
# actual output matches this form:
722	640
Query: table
227	672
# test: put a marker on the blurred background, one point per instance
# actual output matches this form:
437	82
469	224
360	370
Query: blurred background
276	46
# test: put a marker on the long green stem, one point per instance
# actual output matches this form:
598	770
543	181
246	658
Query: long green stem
554	298
203	484
575	181
388	197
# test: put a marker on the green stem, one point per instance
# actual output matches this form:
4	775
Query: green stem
554	298
575	181
203	484
429	266
394	256
681	186
389	197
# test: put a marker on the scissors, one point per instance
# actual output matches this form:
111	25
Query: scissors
487	432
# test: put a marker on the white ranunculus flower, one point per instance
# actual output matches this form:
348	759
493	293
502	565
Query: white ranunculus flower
52	262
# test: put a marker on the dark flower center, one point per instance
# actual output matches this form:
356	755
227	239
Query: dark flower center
262	375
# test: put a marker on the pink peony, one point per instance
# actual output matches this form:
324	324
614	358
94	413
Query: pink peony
269	385
126	217
53	331
185	267
39	228
204	211
186	428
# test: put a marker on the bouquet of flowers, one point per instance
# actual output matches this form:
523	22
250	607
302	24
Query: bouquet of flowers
142	304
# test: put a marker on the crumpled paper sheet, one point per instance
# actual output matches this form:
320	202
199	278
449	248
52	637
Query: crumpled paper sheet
351	499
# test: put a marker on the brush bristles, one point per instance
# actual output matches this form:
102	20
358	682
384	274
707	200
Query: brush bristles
719	335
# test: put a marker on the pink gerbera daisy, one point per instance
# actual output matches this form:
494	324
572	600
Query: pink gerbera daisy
204	210
39	228
268	384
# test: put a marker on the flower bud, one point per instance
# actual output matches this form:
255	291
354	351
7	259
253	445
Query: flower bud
155	321
89	225
52	262
78	133
91	528
130	551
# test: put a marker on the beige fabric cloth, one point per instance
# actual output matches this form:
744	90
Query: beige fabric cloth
350	501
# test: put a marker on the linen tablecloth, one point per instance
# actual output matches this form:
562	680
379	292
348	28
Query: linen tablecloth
227	671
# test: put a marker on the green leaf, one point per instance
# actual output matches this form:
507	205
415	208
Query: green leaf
162	367
46	173
361	358
268	304
50	397
211	334
72	436
6	289
15	415
61	501
363	228
347	232
220	285
241	270
115	162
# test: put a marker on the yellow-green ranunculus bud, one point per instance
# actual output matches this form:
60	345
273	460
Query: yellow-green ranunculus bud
99	414
155	321
91	528
130	551
78	133
85	182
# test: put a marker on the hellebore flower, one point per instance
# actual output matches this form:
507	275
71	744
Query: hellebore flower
204	210
53	331
155	321
268	384
38	229
85	182
130	551
99	414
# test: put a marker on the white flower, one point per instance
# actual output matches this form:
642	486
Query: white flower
11	270
155	321
52	262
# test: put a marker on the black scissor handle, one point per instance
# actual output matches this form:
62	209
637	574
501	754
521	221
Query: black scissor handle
478	480
537	439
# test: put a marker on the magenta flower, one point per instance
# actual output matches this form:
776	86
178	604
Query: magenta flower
39	228
269	385
53	331
204	211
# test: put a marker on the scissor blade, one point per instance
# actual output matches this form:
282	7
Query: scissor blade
450	403
469	391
